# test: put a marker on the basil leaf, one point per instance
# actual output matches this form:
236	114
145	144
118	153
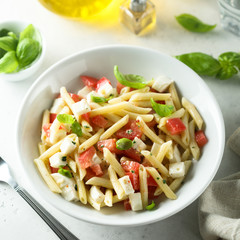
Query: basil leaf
8	43
65	172
13	35
30	32
65	118
98	99
193	24
226	72
150	206
124	144
162	110
76	128
3	32
130	80
27	51
201	63
231	58
8	63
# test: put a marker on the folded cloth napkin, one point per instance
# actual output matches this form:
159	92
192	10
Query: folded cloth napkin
219	205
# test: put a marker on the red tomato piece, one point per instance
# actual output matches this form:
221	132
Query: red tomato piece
119	87
97	169
75	97
102	82
151	181
151	191
110	144
99	121
133	154
175	126
86	117
89	81
127	205
152	123
46	129
85	158
52	117
89	174
130	130
130	166
134	178
54	170
200	138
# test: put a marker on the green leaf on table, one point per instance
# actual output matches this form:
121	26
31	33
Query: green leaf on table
231	58
162	110
193	24
201	63
130	80
226	72
9	62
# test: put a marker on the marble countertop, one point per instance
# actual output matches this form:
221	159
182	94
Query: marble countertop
64	37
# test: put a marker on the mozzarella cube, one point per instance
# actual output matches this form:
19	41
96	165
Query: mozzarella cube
107	90
80	108
62	181
176	155
161	83
126	184
84	92
69	193
56	160
177	170
136	201
58	105
67	146
96	194
96	159
138	144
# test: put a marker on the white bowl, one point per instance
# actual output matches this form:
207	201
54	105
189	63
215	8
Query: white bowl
17	26
99	62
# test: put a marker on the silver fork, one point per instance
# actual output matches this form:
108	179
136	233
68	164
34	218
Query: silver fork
53	223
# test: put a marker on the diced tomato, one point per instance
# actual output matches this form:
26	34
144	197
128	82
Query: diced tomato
54	170
151	191
200	138
133	154
175	126
102	82
89	174
161	102
152	123
86	117
153	90
127	205
89	81
110	144
134	177
75	97
130	130
99	121
97	169
85	158
46	129
130	166
119	87
52	117
151	181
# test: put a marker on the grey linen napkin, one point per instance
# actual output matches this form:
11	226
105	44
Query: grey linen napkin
219	205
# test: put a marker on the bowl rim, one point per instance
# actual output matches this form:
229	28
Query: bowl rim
26	72
141	220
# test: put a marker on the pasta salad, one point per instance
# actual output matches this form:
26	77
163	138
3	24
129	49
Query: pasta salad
129	144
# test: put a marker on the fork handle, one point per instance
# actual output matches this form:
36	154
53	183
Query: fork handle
61	231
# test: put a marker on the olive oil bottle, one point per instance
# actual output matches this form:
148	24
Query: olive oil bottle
76	9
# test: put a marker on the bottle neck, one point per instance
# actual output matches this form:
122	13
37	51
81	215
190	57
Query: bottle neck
138	5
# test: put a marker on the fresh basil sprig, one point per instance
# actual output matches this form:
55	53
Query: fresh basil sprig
130	80
124	144
65	172
162	110
193	24
226	66
97	99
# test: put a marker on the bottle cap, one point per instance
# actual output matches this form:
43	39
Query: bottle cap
138	5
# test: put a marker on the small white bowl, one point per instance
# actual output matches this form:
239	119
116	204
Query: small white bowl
99	62
17	27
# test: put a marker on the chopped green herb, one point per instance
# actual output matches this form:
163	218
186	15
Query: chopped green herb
150	206
150	154
134	141
124	144
162	110
65	118
65	172
132	171
86	126
102	146
158	178
164	181
76	187
129	131
73	142
64	158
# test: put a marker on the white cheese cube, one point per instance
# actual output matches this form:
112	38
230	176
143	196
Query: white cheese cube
67	146
96	194
138	144
161	83
136	201
84	92
58	105
96	159
106	90
176	155
80	108
177	170
62	181
126	184
69	193
56	160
